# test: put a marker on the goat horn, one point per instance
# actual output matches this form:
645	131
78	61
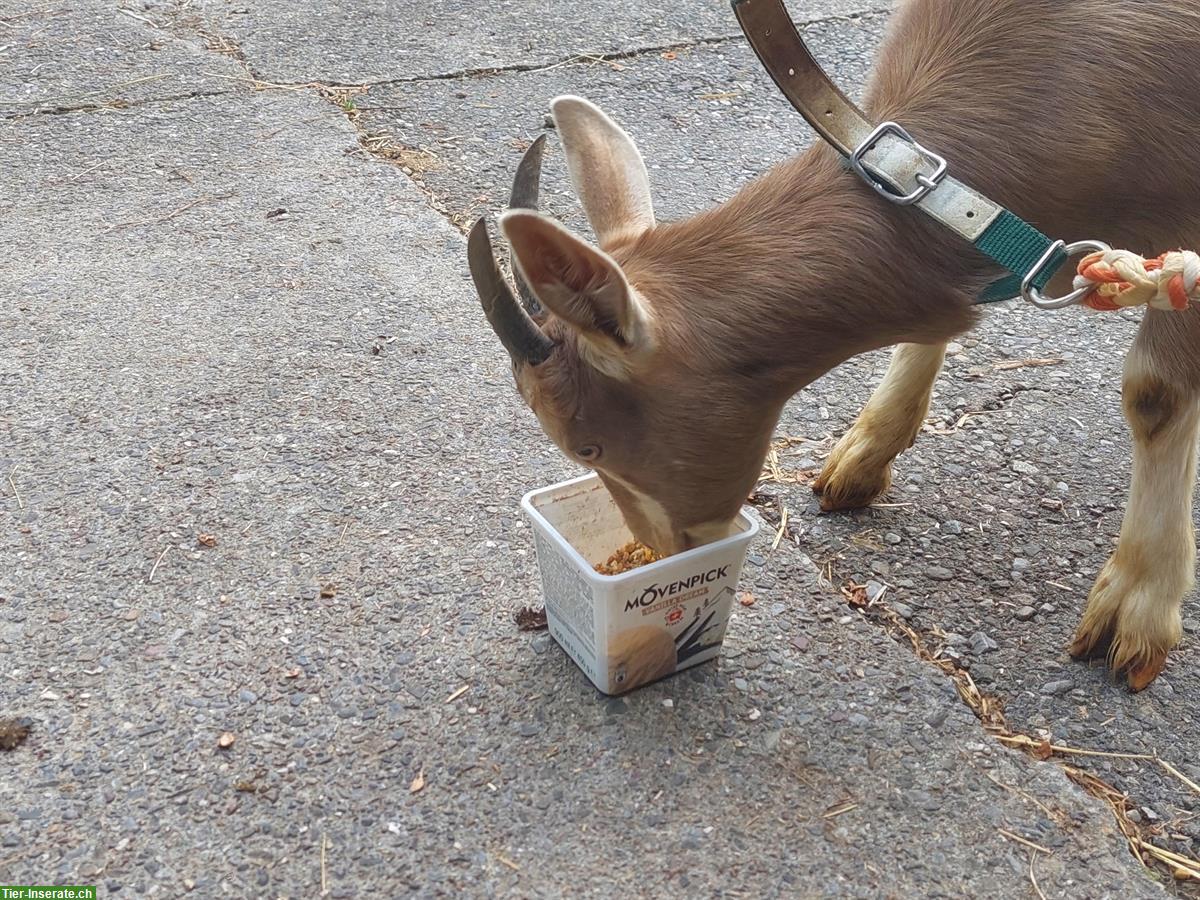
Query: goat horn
525	190
520	335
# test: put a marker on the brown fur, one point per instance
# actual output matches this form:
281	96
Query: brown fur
1080	115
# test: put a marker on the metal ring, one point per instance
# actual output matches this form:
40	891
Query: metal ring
926	183
1033	295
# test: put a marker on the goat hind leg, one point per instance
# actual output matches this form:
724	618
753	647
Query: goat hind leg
1133	614
860	467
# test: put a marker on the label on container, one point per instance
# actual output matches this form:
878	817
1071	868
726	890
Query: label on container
660	629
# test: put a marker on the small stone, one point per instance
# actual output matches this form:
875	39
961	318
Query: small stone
247	696
548	121
1135	816
1024	468
903	611
225	741
1019	564
892	538
983	673
938	573
740	684
528	729
981	644
1049	608
541	643
937	718
1191	626
668	704
1026	613
755	715
1057	688
802	642
952	527
874	590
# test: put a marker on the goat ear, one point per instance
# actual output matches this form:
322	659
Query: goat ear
577	282
606	168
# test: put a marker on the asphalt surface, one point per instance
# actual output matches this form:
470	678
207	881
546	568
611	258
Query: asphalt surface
261	457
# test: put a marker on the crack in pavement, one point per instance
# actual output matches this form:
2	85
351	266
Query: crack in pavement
116	104
583	58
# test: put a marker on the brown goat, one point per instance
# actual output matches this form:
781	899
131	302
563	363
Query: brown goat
663	358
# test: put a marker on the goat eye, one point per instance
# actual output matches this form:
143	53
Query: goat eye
589	453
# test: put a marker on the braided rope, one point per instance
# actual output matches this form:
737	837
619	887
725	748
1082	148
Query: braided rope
1120	279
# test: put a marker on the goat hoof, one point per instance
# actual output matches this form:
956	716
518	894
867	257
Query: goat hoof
842	487
1132	621
1142	676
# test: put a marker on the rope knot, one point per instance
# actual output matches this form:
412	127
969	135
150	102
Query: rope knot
1120	279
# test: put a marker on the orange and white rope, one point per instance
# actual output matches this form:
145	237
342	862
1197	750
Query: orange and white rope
1120	279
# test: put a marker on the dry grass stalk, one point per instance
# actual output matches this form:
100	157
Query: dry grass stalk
324	871
839	809
1021	840
1037	888
783	521
12	484
154	568
1009	365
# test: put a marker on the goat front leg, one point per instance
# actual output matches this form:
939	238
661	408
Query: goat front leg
1133	613
860	467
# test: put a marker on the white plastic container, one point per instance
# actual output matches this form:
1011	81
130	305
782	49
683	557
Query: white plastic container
628	630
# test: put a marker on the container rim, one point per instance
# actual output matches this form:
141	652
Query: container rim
744	536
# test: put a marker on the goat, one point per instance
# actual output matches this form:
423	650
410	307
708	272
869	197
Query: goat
662	358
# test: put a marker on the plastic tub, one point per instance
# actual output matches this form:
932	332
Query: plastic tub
625	631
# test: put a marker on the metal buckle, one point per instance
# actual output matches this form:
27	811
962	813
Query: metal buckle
1030	293
927	182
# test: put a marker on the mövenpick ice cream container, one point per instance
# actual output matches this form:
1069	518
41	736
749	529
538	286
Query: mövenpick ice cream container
628	630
